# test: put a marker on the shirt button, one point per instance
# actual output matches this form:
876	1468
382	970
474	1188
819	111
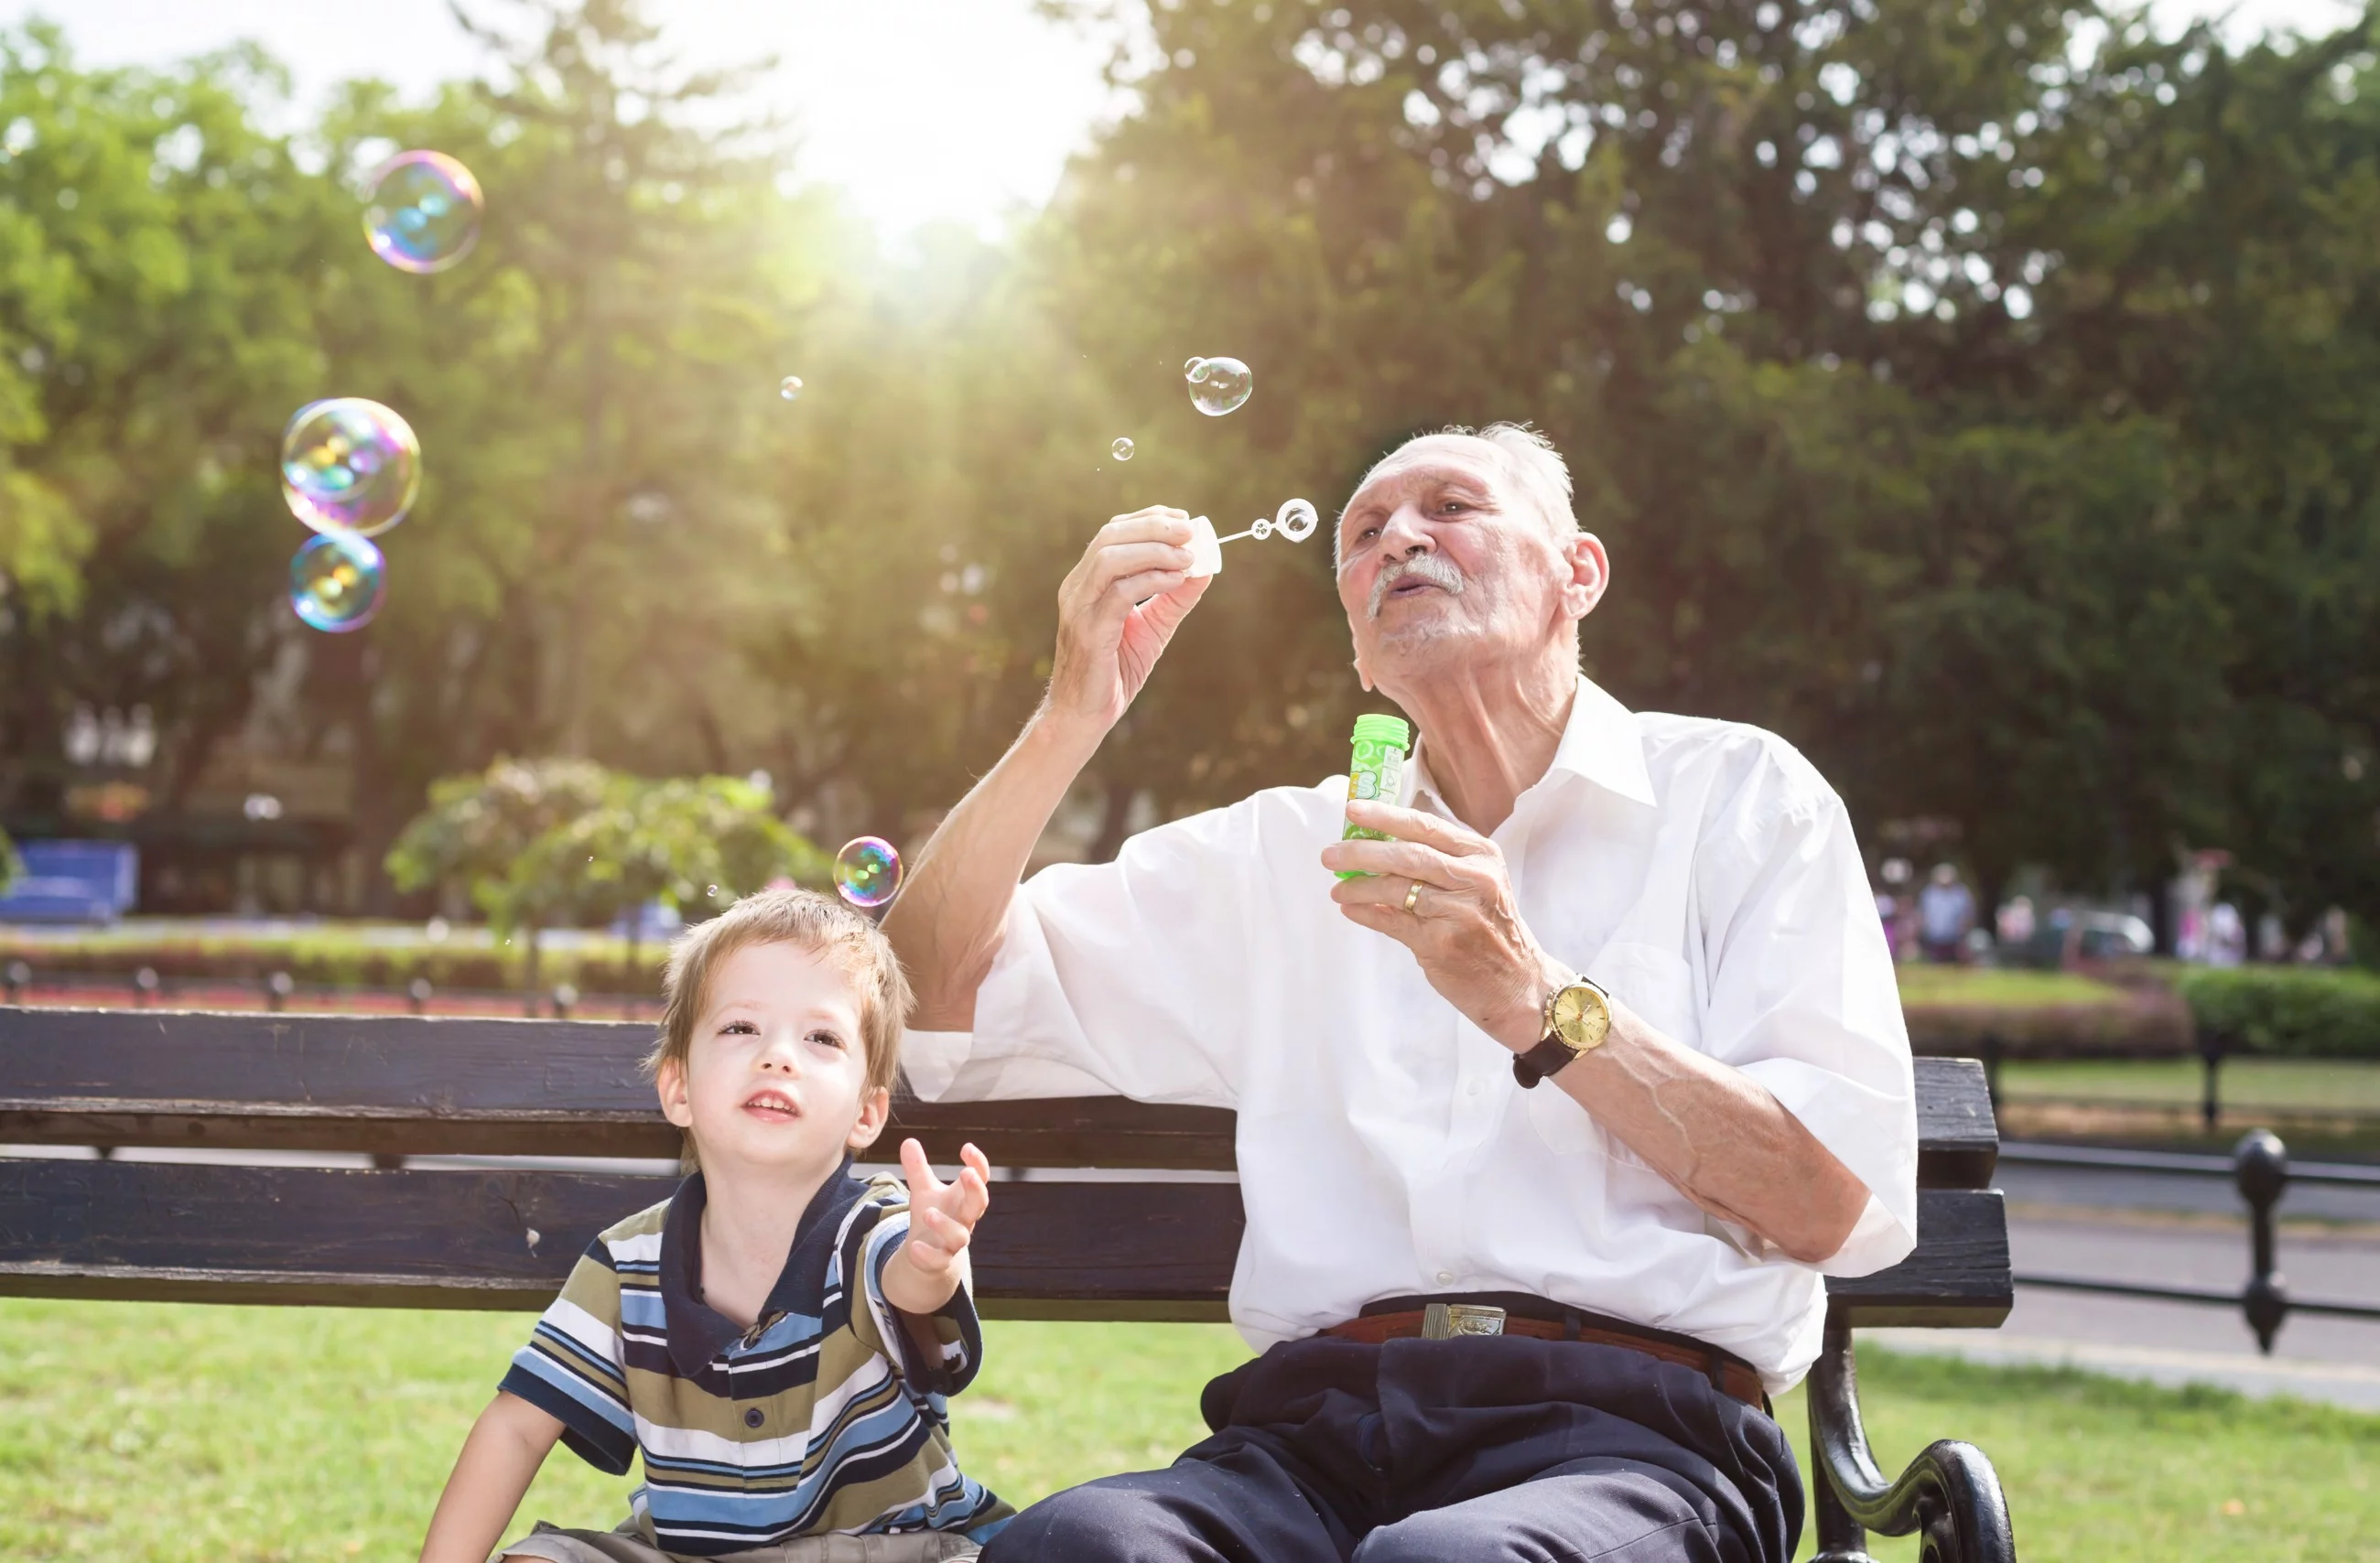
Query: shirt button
752	1417
1472	1089
1446	1278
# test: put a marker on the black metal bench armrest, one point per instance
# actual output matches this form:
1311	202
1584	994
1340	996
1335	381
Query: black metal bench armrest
1950	1494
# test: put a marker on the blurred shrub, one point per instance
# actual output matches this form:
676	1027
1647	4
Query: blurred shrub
2289	1012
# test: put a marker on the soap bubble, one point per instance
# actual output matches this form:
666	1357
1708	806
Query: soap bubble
336	581
349	466
1121	450
1296	520
789	387
866	871
1217	385
423	214
1190	369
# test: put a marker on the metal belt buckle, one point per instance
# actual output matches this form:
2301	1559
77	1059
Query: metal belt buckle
1444	1321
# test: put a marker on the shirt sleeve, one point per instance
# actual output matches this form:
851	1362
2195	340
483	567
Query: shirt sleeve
936	1353
571	1368
1116	978
1803	996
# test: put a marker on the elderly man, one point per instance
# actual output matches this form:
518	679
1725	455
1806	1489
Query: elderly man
1549	1125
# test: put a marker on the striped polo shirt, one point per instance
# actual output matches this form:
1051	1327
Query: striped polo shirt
828	1414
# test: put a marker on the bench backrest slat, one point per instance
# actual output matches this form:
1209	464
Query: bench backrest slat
437	1086
414	1238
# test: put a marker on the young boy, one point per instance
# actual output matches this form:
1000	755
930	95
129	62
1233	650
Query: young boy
777	1339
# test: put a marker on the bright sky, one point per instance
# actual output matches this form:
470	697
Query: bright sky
923	109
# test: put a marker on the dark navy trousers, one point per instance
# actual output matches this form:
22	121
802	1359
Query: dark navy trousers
1486	1448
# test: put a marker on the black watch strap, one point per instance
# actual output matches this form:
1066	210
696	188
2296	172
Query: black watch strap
1548	1058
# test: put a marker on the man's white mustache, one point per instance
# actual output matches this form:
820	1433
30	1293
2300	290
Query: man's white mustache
1428	567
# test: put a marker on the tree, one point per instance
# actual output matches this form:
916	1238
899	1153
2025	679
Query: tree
697	844
481	832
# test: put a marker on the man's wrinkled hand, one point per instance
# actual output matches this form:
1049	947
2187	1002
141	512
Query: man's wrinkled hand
1464	925
1117	609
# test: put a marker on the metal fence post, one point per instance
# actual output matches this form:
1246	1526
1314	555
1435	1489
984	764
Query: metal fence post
19	978
277	989
2261	1166
145	985
2212	1044
417	992
565	999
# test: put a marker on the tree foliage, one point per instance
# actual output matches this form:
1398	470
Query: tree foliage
1972	390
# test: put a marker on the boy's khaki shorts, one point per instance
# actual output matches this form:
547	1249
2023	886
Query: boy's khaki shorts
626	1545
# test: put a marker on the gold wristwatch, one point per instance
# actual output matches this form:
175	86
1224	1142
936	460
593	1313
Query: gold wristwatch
1578	1017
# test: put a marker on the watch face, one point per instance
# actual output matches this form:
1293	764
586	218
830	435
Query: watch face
1580	1016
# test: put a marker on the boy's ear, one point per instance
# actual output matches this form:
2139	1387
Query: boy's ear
875	1112
669	1079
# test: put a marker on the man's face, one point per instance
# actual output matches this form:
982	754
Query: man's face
1442	557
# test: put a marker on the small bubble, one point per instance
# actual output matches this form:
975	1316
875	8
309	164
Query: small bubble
335	584
423	214
1121	449
868	871
790	388
1219	385
1190	369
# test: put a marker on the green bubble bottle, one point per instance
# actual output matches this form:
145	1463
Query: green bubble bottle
1377	771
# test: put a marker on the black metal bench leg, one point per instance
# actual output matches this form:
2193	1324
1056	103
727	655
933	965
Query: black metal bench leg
1950	1494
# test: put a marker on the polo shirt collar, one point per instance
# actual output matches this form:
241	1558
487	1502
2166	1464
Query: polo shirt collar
1599	743
697	1332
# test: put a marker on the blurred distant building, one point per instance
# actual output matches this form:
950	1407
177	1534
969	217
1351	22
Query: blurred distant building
253	831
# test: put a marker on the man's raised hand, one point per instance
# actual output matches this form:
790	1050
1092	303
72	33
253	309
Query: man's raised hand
932	1263
1117	609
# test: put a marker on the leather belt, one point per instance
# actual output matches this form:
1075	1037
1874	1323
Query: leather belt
1445	1321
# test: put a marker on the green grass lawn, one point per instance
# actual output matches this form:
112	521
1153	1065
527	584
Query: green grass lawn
1923	983
143	1433
2283	1084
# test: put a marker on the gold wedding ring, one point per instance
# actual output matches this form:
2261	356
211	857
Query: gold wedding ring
1413	896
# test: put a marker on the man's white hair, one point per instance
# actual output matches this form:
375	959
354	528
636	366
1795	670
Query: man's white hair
1527	458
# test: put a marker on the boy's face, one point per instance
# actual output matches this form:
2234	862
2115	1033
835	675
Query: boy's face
776	1077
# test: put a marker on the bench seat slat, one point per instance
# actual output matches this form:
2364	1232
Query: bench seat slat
455	1086
166	1231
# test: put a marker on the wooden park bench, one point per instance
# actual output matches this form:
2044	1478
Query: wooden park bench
400	1236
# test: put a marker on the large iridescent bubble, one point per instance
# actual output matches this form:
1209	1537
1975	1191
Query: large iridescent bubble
423	214
336	582
349	466
868	871
1217	385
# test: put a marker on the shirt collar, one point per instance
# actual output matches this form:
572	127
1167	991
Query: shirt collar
1598	743
697	1332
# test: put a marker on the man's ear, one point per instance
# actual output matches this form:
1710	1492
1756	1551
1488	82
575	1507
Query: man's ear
875	1112
669	1081
1590	573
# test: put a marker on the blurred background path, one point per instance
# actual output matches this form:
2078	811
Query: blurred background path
2180	1232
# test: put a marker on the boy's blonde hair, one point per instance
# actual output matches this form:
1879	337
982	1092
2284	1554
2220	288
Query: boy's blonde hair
824	926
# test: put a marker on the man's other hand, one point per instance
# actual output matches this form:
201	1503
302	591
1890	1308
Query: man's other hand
1464	925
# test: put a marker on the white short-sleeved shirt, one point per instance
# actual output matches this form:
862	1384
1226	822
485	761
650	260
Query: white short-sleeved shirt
1703	871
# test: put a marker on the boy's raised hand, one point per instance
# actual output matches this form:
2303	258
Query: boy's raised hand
932	1263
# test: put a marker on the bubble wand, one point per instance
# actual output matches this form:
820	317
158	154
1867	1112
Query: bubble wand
1295	521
